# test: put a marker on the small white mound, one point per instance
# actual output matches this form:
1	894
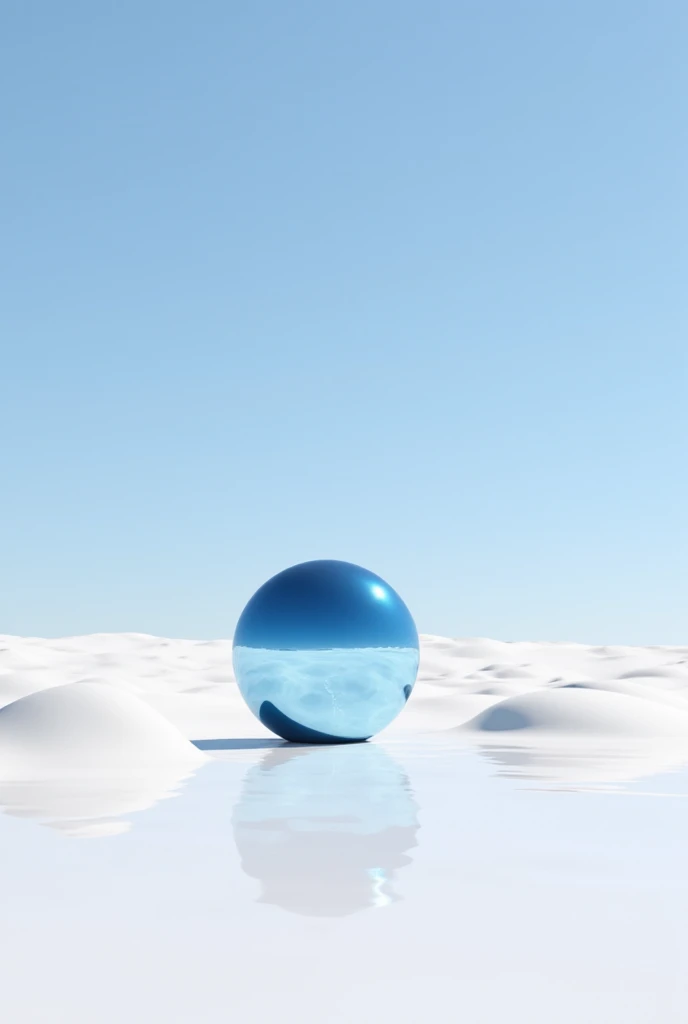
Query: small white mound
573	710
87	730
480	647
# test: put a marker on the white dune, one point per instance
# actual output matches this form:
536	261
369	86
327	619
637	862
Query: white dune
581	710
86	728
80	755
585	733
191	682
535	695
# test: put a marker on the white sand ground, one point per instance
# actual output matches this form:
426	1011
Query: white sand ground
559	712
457	678
515	689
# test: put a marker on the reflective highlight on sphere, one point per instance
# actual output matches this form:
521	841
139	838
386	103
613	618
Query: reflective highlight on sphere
326	652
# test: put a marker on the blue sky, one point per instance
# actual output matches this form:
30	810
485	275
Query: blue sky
397	283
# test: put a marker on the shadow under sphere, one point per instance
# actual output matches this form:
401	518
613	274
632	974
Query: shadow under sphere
326	652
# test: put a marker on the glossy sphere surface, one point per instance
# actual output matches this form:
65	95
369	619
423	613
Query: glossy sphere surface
326	652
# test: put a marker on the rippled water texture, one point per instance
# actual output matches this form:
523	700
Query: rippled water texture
326	830
350	693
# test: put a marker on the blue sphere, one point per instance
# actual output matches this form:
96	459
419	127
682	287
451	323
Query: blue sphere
326	652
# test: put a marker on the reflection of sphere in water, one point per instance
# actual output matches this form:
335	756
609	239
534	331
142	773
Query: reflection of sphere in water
324	830
326	652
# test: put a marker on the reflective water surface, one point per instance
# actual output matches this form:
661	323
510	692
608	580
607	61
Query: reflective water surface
393	880
85	808
580	765
326	829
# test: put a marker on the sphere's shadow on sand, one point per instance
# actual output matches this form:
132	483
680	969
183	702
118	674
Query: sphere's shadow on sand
326	829
239	744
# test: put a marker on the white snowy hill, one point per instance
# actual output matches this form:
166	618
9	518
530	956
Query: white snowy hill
96	727
523	687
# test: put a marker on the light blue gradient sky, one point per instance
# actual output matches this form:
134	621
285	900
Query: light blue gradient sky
398	283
